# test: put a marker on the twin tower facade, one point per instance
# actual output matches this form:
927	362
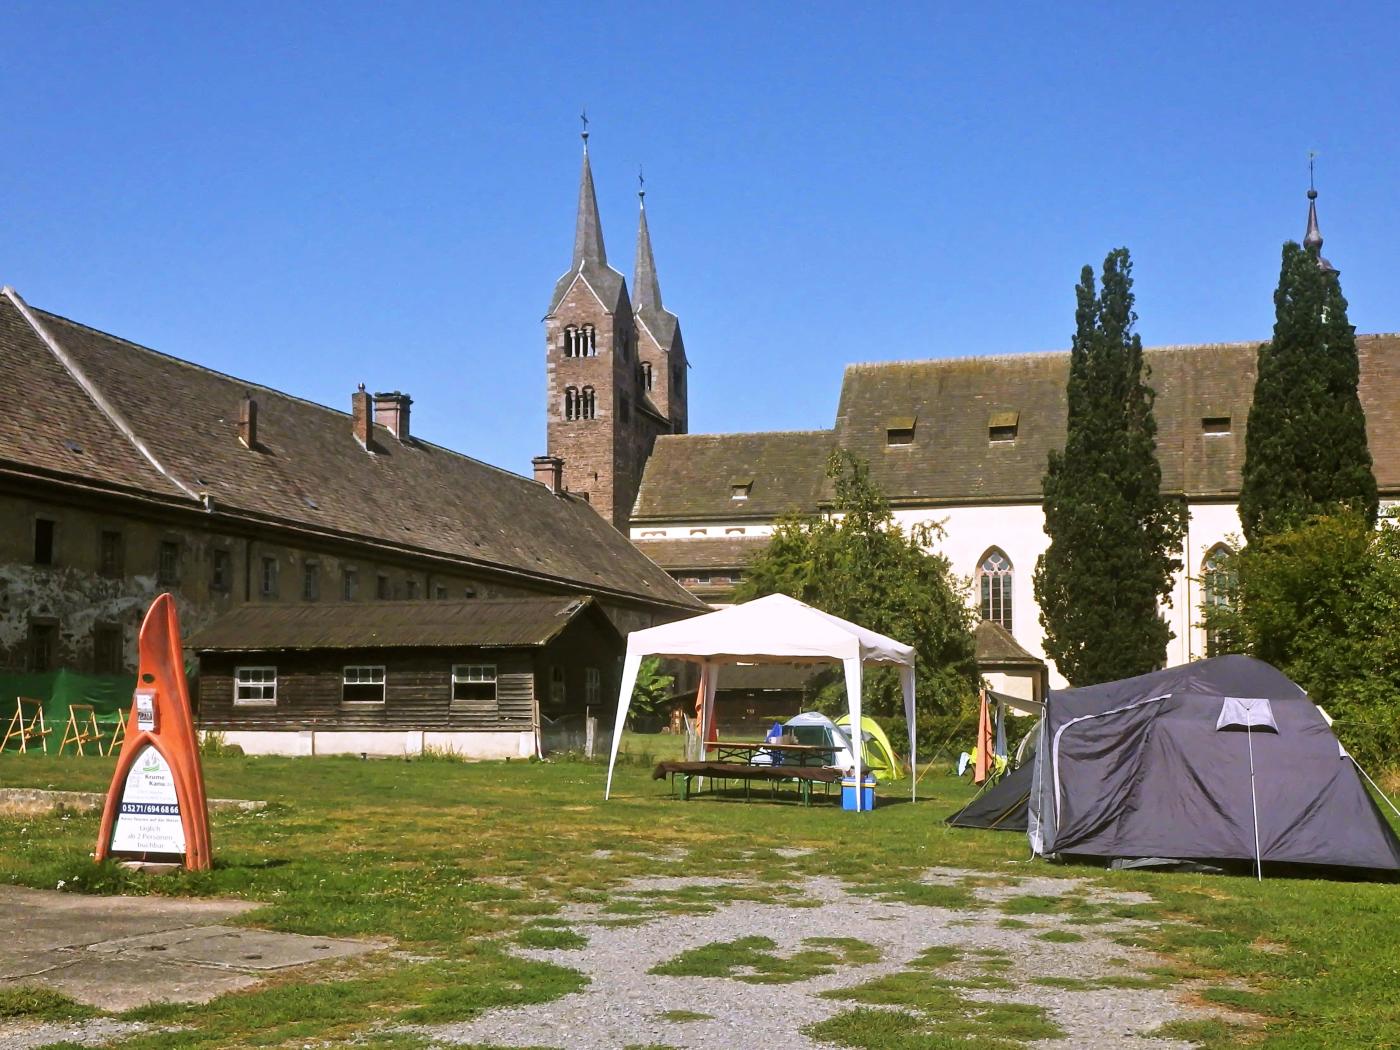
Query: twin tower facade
615	368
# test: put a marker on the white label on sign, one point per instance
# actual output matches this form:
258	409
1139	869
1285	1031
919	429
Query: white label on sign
146	711
148	819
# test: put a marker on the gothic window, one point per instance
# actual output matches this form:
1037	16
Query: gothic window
994	577
1218	582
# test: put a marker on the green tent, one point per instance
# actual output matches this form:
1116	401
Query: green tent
876	750
107	694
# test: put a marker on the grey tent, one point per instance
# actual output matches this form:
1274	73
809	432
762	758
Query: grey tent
1002	807
1219	760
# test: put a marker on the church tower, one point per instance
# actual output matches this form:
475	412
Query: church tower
659	342
600	425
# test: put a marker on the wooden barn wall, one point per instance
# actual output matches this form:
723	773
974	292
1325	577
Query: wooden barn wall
417	694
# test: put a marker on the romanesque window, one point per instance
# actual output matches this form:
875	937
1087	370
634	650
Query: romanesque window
474	682
1218	582
994	577
571	343
255	686
109	553
362	685
587	403
589	345
168	562
44	531
311	582
646	375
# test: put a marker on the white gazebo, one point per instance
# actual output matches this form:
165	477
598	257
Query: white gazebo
773	629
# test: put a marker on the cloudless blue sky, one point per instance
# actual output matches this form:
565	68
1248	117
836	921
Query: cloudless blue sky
313	196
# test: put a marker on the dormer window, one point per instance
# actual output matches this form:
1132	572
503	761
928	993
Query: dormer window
1215	426
739	488
900	430
1002	426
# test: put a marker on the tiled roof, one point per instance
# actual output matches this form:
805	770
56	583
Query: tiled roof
995	645
952	403
308	472
691	476
728	552
497	622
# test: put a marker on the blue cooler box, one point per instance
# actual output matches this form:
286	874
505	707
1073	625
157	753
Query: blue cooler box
848	793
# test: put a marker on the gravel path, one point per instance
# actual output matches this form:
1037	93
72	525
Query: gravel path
22	1035
623	1004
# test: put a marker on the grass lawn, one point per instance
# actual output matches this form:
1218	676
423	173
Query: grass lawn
458	862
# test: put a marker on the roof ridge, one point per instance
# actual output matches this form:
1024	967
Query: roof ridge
252	385
750	433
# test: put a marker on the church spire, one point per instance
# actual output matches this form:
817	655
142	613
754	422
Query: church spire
588	232
645	285
1312	239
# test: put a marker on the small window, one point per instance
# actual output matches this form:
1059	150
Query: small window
268	588
588	403
382	590
592	686
646	375
311	582
168	563
697	532
440	593
44	533
469	592
570	341
740	488
255	686
410	588
221	574
557	692
349	583
590	342
734	532
1002	426
43	646
1214	426
107	648
474	682
109	553
363	685
900	430
995	576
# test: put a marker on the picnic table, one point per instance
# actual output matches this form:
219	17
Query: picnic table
804	764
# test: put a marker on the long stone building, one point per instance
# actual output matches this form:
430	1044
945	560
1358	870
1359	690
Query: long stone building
959	441
125	472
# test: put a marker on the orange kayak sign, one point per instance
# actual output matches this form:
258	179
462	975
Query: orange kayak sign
156	808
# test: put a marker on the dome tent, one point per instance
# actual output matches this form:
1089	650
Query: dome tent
1220	760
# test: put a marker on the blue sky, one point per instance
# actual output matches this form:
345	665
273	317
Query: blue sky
313	196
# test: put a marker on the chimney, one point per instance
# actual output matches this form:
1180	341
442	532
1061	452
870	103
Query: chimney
248	421
549	472
391	412
362	419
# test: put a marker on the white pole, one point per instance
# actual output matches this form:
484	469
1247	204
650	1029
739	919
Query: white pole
1253	797
1379	792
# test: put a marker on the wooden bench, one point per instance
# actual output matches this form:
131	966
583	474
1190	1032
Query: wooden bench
804	776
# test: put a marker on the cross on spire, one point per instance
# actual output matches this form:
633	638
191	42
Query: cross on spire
584	117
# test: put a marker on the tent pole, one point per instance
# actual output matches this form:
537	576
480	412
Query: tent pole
1379	792
1254	800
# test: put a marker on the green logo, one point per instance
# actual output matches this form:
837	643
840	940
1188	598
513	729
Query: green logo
152	763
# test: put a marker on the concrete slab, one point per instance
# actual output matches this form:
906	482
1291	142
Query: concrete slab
229	947
117	953
119	983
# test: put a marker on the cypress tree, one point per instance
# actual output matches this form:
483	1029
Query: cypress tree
1305	449
1114	537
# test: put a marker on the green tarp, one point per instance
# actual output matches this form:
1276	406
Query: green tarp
107	693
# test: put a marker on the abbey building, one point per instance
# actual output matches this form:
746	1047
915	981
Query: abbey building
959	441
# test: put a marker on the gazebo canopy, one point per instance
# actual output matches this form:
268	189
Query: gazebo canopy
772	629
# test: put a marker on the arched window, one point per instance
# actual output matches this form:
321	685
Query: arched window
994	577
570	341
1218	584
571	402
587	403
590	342
646	375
